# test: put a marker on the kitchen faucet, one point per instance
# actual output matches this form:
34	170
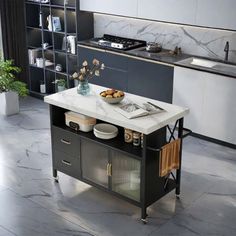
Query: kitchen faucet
226	49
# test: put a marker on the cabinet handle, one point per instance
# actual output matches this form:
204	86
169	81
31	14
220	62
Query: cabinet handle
66	162
109	170
65	142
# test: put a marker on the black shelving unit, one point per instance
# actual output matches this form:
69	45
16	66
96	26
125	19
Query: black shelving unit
73	22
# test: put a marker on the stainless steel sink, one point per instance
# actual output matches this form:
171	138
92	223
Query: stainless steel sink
203	62
208	64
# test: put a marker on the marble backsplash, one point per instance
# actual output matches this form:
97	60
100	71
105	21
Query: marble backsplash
193	40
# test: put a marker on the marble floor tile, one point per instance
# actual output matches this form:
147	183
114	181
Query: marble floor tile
22	217
71	207
6	232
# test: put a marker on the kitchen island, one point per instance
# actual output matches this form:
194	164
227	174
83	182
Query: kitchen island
128	172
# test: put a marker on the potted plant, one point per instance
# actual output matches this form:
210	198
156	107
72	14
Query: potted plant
86	73
10	89
61	84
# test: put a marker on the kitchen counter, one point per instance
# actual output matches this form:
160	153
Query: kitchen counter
163	57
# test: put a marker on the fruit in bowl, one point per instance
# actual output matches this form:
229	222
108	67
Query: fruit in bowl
112	96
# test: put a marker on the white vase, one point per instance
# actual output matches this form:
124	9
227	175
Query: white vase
9	103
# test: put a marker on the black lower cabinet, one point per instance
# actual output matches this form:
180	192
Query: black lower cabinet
150	80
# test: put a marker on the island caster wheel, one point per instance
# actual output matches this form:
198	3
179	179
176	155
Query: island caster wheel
144	221
56	179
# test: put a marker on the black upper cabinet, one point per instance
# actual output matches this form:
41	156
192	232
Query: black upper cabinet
150	80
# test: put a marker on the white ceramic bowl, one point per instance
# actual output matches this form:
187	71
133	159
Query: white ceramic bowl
105	131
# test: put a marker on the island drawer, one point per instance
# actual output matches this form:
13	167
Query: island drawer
66	164
65	141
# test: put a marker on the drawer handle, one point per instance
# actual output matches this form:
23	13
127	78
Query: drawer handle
66	162
65	142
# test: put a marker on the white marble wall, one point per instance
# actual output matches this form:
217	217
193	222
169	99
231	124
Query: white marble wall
193	40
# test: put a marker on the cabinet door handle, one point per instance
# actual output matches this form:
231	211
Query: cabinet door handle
66	162
108	169
65	142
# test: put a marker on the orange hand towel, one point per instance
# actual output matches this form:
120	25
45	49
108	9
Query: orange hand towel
169	157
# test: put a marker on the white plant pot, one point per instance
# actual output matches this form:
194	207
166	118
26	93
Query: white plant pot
9	103
60	88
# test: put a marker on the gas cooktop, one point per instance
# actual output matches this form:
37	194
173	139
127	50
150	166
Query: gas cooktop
119	43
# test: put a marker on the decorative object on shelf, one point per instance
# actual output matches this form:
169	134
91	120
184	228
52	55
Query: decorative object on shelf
54	23
71	44
61	84
39	62
40	19
33	54
10	89
79	122
141	140
44	1
45	45
42	87
105	131
86	73
136	139
128	135
112	96
49	21
58	67
48	63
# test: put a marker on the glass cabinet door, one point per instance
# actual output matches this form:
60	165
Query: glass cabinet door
94	161
126	173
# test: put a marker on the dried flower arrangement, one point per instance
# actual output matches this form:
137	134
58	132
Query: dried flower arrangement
87	72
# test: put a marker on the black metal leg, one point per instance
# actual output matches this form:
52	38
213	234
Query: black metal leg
55	176
144	215
178	172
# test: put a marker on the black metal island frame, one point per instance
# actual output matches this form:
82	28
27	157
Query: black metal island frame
128	172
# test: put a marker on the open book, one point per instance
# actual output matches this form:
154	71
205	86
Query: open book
133	110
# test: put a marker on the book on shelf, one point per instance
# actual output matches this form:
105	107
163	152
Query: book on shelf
133	110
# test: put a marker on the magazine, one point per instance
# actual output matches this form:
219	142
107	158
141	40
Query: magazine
133	110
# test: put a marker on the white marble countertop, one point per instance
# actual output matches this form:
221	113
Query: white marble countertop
92	105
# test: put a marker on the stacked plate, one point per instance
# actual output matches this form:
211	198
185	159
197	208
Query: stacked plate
105	131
